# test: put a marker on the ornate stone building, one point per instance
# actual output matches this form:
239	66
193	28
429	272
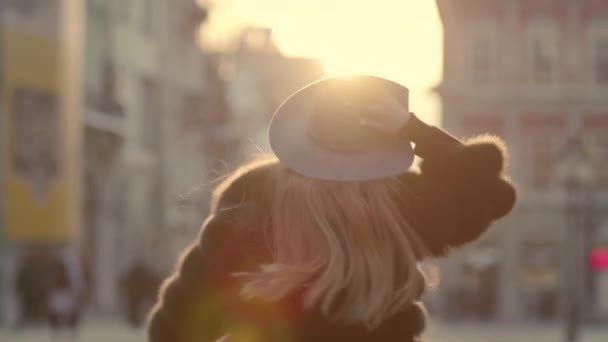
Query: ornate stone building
534	72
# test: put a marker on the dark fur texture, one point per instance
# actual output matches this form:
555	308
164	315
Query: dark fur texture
458	196
453	200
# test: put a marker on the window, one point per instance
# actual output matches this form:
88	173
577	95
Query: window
543	62
481	59
543	47
540	278
596	127
482	50
542	137
601	60
542	161
36	139
598	45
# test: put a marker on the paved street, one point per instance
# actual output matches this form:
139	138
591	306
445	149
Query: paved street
492	332
107	331
99	331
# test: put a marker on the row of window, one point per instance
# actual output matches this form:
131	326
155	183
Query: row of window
542	139
545	50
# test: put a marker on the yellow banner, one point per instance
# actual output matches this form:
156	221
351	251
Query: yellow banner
41	129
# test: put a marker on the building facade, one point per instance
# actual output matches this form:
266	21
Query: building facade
144	74
258	79
122	139
40	99
534	72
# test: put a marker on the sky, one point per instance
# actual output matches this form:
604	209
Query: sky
397	39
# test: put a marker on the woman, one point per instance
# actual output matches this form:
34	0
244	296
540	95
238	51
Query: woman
322	242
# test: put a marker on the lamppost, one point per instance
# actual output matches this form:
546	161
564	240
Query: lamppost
576	173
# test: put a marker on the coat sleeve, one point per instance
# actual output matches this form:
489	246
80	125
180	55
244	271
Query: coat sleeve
190	307
462	187
200	301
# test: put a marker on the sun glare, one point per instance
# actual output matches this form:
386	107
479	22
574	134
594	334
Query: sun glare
395	39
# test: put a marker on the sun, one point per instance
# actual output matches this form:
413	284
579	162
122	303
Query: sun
395	39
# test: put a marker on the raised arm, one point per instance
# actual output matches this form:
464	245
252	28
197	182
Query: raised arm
461	189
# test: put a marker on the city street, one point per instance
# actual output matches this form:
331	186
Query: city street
501	332
92	331
104	331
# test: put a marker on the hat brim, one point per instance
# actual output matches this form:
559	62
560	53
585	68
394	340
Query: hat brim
291	143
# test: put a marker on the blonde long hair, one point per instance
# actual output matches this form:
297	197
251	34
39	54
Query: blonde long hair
348	243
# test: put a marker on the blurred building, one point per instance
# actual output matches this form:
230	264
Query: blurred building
258	79
39	138
146	83
130	145
106	134
534	72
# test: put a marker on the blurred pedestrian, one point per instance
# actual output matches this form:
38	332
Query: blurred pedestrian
139	287
30	286
64	299
322	242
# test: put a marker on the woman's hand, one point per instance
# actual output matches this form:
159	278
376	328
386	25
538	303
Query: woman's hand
384	113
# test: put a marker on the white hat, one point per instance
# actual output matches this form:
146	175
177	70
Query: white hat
317	131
